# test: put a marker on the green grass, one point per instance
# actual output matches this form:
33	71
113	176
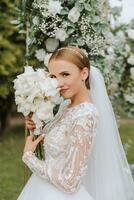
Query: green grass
11	165
127	136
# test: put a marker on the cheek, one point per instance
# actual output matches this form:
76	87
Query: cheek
75	82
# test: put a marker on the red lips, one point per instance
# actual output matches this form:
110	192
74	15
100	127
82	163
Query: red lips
63	90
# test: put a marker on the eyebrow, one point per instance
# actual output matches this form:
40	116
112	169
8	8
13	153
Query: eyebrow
60	73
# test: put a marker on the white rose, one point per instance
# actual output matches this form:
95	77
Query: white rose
46	59
42	73
117	23
130	60
25	109
30	79
37	102
37	120
132	72
27	89
127	48
119	38
114	24
130	33
45	112
20	100
110	38
54	7
57	99
74	15
36	20
28	69
51	44
50	86
33	94
40	54
110	50
17	85
28	74
22	88
129	98
61	34
121	35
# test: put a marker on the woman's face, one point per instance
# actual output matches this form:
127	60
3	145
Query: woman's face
69	77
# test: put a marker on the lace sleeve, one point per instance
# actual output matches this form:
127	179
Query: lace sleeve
67	175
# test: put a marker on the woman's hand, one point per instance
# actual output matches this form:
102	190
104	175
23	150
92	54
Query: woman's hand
31	145
29	123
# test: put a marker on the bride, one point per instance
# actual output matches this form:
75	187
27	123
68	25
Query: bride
84	156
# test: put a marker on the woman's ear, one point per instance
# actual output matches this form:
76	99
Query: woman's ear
84	73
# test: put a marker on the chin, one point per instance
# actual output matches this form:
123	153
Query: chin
65	96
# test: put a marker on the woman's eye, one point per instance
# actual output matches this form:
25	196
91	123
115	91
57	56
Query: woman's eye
65	74
51	76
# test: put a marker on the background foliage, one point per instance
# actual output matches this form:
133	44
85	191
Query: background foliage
88	24
12	47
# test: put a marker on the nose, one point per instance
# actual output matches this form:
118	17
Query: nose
60	84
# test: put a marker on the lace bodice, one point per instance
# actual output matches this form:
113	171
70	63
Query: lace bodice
68	141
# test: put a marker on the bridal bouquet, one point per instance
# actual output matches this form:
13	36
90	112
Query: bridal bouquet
36	93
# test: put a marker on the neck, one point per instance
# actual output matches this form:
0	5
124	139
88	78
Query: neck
82	96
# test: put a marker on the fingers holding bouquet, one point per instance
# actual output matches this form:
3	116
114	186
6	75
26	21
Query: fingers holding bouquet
31	144
29	122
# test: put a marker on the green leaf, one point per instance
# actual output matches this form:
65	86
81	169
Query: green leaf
87	7
96	19
80	42
64	11
70	30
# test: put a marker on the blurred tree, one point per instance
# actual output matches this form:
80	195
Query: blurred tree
12	47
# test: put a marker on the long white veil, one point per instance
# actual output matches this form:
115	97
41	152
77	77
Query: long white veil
108	175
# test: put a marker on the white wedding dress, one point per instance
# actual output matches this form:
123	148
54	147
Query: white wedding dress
68	142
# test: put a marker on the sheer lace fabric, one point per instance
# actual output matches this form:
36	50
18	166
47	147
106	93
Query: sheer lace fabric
68	141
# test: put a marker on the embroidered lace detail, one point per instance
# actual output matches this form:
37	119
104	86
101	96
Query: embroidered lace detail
68	141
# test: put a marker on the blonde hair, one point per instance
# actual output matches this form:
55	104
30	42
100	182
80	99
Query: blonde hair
75	55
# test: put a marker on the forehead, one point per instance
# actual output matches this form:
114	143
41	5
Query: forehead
57	66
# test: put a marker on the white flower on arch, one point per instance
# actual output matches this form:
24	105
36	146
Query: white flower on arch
54	7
